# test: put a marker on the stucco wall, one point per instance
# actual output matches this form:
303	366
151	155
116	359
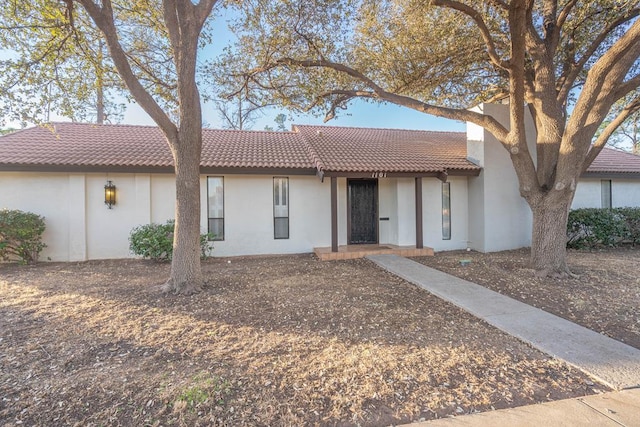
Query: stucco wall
624	193
432	214
499	218
248	216
80	227
47	196
397	202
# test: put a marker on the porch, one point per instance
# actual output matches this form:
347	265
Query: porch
361	251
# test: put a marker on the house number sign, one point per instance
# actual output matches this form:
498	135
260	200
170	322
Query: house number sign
379	175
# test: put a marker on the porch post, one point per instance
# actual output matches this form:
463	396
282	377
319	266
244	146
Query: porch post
334	214
419	234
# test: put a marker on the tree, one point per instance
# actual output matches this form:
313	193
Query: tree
280	121
52	68
567	62
238	113
153	47
627	136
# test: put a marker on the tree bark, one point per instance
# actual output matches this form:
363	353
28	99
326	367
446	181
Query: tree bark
186	274
549	242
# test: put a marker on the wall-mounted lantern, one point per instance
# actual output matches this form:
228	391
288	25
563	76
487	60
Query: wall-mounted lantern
110	194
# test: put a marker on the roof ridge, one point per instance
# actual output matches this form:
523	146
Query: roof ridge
55	123
621	151
376	128
311	151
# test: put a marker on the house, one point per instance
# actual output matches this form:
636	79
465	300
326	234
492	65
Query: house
287	192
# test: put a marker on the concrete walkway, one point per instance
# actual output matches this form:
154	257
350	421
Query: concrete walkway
610	409
610	361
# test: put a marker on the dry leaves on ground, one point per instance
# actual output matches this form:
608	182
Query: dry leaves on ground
604	297
272	341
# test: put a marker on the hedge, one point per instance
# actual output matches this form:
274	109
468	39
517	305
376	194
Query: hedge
592	227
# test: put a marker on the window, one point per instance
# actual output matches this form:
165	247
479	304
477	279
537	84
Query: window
280	208
606	193
446	211
215	195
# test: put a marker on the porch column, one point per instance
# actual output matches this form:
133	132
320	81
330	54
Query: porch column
419	242
334	214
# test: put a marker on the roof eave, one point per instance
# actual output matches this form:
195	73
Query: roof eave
611	175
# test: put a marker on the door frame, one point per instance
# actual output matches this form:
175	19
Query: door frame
376	200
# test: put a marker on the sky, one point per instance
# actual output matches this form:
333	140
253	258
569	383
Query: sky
359	113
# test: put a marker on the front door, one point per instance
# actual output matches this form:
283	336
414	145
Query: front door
363	211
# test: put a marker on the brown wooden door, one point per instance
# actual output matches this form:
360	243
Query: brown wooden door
363	211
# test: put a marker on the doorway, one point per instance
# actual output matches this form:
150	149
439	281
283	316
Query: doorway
362	225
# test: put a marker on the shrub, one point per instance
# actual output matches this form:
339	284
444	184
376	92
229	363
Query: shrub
592	227
21	236
155	241
631	218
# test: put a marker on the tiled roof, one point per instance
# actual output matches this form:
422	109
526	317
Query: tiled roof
323	148
615	161
71	144
89	145
344	149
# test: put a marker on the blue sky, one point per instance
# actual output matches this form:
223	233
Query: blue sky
359	113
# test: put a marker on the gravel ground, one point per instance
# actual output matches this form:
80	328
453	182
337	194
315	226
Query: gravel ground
271	341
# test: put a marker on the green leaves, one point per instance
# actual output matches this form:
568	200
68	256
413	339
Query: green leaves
21	236
155	241
56	61
592	227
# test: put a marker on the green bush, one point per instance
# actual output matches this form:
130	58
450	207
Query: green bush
155	241
21	236
631	218
592	227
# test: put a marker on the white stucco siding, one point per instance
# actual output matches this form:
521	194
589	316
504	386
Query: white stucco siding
46	195
163	197
406	192
624	193
248	216
108	229
499	218
343	202
388	208
588	194
432	214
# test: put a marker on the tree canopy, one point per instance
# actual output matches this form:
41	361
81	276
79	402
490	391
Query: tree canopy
566	61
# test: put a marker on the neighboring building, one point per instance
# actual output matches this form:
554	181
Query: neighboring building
286	192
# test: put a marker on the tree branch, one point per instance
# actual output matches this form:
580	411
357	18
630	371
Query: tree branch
103	18
482	26
601	141
574	70
487	122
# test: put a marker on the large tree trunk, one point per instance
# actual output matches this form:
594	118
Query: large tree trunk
186	274
184	29
549	236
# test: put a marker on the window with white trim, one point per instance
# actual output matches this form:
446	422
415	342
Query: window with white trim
215	199
280	208
446	211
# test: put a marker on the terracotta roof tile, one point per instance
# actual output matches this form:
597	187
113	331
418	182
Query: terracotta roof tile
344	149
615	161
325	148
75	144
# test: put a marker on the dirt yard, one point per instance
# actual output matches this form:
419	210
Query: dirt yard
605	297
272	341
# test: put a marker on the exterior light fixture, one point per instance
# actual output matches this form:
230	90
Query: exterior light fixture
110	194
